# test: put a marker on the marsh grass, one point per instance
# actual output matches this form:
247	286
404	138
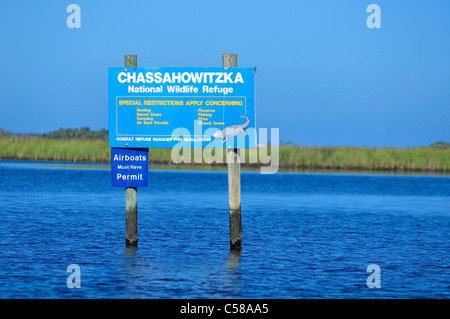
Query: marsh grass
43	149
292	156
352	158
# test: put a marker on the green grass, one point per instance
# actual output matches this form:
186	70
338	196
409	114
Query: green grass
42	149
431	159
352	158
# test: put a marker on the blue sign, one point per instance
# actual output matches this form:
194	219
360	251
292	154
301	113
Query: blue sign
129	167
172	107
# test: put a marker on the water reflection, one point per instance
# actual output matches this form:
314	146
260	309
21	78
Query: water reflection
233	273
233	259
130	251
135	273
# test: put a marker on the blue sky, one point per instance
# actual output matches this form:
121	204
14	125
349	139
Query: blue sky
322	76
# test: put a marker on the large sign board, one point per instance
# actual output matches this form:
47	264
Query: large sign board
167	107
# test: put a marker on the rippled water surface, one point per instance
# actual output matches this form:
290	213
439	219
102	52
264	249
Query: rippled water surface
305	235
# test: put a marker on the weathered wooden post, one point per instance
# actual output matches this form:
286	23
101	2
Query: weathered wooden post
131	237
234	179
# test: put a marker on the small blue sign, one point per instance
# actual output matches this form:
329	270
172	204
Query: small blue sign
129	167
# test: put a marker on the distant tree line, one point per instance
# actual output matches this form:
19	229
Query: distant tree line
82	133
441	145
66	134
438	145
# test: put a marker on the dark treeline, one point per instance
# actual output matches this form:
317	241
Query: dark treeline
438	145
62	134
441	145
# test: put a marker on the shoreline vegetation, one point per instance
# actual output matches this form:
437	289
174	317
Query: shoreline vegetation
83	145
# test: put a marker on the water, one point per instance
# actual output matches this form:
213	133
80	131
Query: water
305	235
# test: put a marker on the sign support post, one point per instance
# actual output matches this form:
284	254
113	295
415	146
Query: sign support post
234	178
131	236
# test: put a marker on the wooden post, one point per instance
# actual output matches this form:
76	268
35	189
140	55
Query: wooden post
234	179
131	237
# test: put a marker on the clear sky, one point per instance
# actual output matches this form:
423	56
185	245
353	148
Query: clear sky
322	76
